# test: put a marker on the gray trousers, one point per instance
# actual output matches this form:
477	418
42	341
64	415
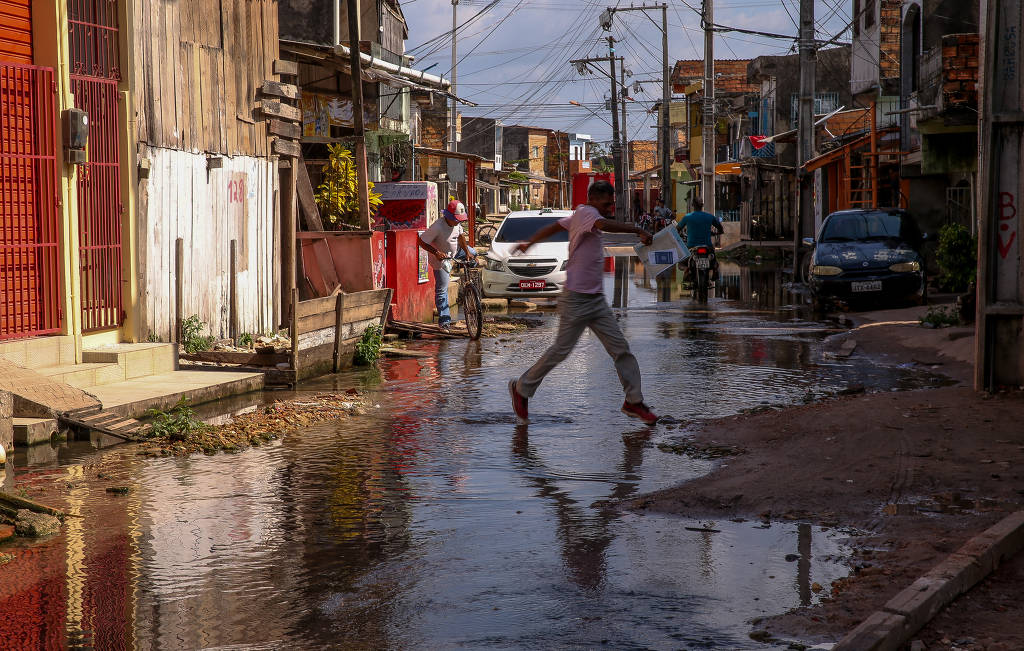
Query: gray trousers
577	312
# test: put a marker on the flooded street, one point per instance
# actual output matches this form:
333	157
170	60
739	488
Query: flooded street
436	521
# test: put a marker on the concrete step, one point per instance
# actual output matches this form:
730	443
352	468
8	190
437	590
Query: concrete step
134	398
138	360
39	352
33	431
84	375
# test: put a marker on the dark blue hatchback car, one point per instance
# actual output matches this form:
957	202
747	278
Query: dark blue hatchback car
869	255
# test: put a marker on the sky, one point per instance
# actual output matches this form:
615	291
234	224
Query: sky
514	57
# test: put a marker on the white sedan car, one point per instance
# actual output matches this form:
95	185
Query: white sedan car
537	273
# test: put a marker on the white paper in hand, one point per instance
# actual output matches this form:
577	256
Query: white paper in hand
665	250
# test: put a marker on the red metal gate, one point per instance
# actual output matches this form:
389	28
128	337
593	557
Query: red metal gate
95	72
29	278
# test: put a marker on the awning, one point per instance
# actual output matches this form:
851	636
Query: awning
375	70
533	176
444	153
484	185
835	155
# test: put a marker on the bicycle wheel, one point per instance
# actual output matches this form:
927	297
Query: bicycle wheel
472	310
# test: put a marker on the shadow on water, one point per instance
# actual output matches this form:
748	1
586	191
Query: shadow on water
438	521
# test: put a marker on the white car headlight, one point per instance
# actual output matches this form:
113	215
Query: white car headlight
493	265
906	267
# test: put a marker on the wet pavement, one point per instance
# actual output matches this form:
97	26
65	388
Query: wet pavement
436	521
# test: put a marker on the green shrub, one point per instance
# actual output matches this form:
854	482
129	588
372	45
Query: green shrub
338	193
246	340
177	424
957	257
191	337
368	348
940	317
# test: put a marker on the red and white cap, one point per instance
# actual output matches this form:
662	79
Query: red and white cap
456	211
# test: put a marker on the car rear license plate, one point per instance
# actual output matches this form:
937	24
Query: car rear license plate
532	284
866	286
703	263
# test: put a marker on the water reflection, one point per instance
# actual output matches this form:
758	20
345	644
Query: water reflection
434	521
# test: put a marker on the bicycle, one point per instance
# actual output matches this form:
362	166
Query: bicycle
469	298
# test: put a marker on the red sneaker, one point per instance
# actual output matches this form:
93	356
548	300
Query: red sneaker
641	411
519	403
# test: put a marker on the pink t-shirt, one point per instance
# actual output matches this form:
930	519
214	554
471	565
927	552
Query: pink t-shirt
585	270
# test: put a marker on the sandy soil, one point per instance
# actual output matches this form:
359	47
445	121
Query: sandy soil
915	473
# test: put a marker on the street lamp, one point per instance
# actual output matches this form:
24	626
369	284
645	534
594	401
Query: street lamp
592	111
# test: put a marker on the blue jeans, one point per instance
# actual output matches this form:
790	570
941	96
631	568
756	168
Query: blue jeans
441	280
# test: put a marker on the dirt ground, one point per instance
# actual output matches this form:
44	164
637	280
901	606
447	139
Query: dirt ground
915	473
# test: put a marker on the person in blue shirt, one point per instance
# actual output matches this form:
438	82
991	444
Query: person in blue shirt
698	226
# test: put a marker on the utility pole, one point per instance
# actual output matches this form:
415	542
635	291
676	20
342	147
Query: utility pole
805	126
452	121
616	139
708	131
358	125
664	135
999	357
667	194
626	157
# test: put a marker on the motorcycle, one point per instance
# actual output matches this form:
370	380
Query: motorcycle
701	261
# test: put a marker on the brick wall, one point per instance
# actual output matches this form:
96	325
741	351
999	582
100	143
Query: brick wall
889	45
731	74
643	155
960	70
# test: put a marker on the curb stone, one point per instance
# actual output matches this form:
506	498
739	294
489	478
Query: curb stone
905	614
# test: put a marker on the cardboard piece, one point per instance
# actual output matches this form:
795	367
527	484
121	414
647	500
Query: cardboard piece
665	251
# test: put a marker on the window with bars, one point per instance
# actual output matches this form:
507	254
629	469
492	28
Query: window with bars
823	103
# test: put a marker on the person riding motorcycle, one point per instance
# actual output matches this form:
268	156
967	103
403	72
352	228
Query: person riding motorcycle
698	226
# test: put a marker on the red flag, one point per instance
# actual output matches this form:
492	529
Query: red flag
758	142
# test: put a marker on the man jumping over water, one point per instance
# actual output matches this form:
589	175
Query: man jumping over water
583	304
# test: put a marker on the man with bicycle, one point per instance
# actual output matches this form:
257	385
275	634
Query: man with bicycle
445	240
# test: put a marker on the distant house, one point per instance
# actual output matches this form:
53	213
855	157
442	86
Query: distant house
768	189
735	96
939	49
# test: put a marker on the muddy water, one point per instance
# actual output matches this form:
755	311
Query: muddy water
438	522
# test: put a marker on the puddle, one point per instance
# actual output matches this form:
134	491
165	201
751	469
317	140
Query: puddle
439	522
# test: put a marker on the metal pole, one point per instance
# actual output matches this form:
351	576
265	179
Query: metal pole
666	98
357	117
708	131
999	358
453	121
805	125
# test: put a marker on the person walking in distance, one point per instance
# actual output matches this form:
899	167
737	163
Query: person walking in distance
583	304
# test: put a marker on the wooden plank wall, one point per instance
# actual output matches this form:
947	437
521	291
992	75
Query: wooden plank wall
208	209
199	67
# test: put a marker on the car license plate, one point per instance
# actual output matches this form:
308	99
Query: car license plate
703	263
532	284
866	286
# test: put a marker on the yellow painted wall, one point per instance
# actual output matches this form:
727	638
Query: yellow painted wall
50	48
